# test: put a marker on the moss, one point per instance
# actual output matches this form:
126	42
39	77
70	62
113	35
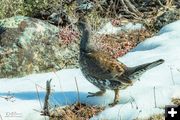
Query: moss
33	47
9	8
95	20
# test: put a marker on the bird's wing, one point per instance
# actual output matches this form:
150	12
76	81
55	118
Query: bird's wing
105	67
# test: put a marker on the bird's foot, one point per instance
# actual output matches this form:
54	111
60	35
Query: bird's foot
114	103
127	82
116	98
99	93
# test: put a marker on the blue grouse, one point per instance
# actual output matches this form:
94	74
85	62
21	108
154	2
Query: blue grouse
103	71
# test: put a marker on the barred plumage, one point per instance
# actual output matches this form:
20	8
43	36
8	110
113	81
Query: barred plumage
105	72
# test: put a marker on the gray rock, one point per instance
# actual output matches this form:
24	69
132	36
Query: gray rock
29	45
166	18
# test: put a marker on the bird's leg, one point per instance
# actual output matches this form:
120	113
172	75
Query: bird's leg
99	93
116	98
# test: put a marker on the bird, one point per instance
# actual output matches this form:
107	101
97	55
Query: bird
104	71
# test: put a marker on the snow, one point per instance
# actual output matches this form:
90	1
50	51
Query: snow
146	97
110	29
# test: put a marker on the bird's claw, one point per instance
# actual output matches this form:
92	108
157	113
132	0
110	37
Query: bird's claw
91	94
99	93
114	103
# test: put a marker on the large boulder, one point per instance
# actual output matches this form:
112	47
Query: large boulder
29	45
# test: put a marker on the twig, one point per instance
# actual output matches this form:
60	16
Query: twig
1	117
61	87
115	5
46	100
125	6
133	11
154	91
138	36
132	7
169	3
38	95
54	100
131	101
160	3
134	3
40	87
119	115
39	111
131	104
138	114
172	78
134	102
77	90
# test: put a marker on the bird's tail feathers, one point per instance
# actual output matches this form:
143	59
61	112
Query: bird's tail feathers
148	66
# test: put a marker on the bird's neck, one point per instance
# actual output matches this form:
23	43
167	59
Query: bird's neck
85	38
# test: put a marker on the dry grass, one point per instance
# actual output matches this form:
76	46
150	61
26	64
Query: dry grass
68	35
157	117
176	101
75	112
118	45
31	8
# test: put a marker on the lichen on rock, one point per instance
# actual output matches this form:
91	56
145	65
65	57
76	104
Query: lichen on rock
166	18
29	45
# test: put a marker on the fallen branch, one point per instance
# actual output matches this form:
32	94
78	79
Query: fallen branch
77	91
38	95
46	101
132	7
129	8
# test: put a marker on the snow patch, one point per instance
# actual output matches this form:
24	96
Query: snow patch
145	98
110	29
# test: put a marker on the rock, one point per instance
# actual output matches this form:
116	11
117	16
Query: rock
29	45
166	18
59	19
84	6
